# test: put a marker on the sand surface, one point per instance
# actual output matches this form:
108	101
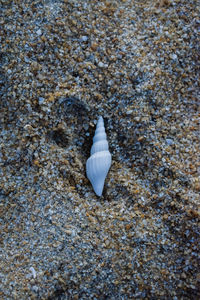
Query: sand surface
63	64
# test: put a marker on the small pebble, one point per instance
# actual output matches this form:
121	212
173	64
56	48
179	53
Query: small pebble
39	32
169	142
84	38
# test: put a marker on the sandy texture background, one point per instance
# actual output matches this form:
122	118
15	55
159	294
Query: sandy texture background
63	64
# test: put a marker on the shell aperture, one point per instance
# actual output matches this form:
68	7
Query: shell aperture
99	162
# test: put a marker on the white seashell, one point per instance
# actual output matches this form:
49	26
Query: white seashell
98	164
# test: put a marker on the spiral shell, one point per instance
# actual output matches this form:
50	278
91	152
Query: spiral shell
98	164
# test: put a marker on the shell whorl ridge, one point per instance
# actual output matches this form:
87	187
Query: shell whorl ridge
98	164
